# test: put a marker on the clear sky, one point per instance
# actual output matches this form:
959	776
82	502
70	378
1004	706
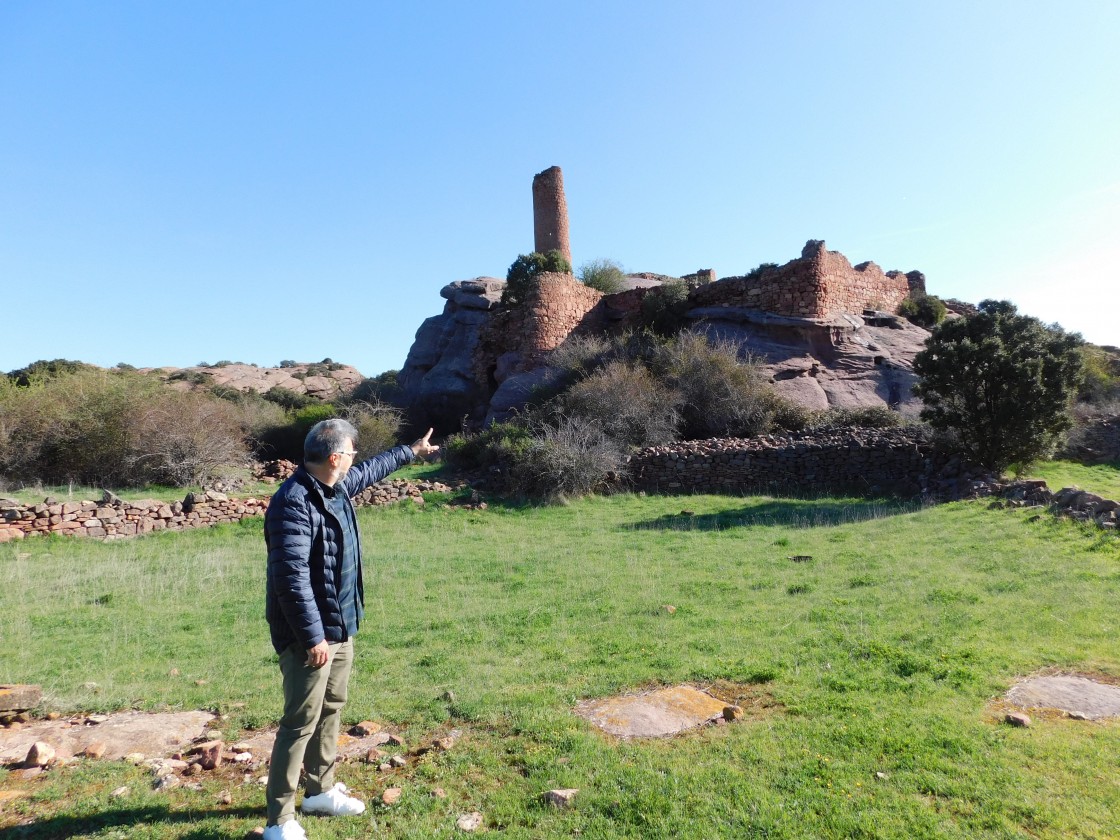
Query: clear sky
256	181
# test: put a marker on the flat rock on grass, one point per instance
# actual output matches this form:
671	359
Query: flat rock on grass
121	734
1078	696
653	714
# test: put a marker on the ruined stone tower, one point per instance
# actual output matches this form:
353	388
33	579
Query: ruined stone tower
550	213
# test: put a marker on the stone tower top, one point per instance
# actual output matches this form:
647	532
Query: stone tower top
550	213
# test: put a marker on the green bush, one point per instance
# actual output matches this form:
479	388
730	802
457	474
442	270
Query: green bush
866	417
523	273
1101	384
289	399
606	276
497	447
1000	382
924	310
663	307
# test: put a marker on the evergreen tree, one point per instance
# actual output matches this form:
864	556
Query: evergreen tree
1001	382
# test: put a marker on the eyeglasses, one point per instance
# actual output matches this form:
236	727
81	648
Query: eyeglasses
345	452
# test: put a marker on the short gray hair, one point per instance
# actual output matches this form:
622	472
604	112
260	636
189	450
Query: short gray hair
326	437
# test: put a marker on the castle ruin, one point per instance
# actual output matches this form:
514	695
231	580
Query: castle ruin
823	328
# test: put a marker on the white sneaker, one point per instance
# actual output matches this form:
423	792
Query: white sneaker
290	830
333	803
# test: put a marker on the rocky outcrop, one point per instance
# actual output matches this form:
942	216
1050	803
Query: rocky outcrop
824	330
322	380
438	377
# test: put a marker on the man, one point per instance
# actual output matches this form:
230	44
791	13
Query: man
314	601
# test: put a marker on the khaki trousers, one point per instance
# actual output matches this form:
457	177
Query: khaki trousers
308	733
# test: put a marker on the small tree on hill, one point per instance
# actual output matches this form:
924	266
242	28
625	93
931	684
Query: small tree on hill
1001	382
522	275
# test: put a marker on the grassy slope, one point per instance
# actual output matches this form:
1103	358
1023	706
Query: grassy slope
885	651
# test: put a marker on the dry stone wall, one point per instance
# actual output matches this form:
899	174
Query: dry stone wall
550	213
900	461
115	518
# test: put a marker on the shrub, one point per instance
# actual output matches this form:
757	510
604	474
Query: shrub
1101	384
1001	382
288	363
663	307
44	369
378	426
572	458
718	395
498	446
383	388
628	404
115	428
606	276
865	417
523	273
924	310
289	399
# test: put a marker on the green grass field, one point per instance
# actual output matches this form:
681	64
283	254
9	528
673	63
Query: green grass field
879	662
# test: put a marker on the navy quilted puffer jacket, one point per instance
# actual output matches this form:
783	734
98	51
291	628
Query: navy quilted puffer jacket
304	543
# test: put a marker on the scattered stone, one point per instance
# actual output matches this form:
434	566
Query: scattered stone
1018	719
395	740
391	795
95	750
448	696
225	798
96	720
167	782
366	727
880	775
192	770
669	608
379	738
374	756
53	715
209	754
398	761
469	822
439	793
174	672
40	755
242	746
384	767
135	758
561	798
119	792
801	558
19	697
242	757
27	772
200	682
732	712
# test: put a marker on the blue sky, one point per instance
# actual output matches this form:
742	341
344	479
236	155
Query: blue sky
257	181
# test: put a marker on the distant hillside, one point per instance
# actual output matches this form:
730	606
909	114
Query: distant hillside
324	380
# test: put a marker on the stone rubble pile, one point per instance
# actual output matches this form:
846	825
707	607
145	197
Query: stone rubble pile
1071	502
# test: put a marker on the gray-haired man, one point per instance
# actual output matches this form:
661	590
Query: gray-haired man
314	601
